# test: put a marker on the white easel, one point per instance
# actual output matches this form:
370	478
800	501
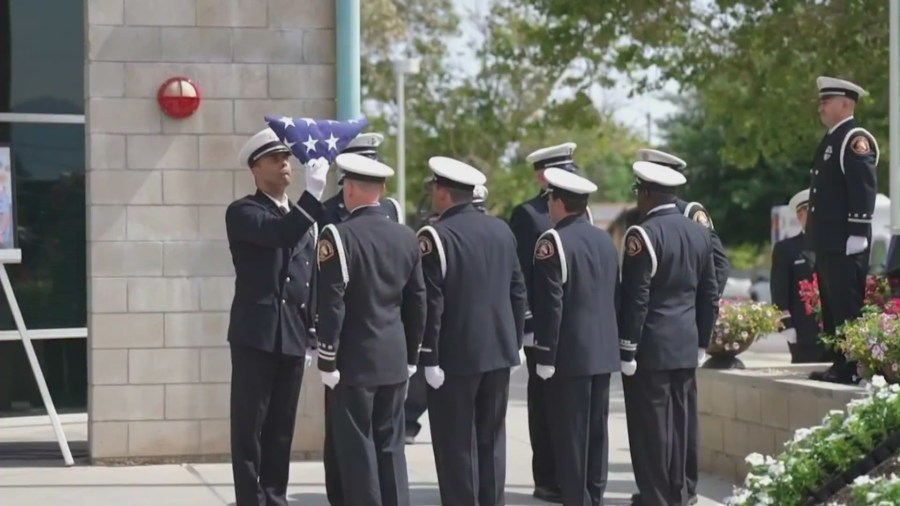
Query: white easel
14	256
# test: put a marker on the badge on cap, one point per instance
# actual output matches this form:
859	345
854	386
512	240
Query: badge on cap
633	245
325	250
544	249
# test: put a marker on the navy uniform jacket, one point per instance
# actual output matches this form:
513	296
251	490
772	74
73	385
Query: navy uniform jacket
272	254
334	211
576	285
695	211
476	296
792	262
669	298
528	221
371	299
842	188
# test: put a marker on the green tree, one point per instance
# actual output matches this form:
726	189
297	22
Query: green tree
491	119
754	62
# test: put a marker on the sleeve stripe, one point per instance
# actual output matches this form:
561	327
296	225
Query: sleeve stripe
847	138
342	255
563	266
438	246
647	243
859	220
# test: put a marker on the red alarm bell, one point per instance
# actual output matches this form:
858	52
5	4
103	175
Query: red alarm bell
178	97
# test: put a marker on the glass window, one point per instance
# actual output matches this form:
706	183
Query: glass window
50	283
42	56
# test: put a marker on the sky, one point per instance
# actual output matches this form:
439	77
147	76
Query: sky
631	112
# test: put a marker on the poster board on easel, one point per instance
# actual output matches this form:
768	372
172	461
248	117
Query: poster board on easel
11	254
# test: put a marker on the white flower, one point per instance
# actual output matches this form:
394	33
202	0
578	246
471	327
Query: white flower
755	459
879	382
862	480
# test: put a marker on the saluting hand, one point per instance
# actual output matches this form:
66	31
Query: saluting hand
629	368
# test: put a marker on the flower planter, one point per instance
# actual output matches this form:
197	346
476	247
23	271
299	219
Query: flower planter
882	452
723	361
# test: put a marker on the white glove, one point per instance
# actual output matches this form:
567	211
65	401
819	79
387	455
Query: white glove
434	376
316	173
790	335
529	339
628	368
412	370
856	244
521	362
330	379
701	356
308	360
545	371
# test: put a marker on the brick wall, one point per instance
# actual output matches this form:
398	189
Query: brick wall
757	411
159	270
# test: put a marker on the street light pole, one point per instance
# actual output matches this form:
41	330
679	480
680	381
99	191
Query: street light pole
894	73
401	68
401	141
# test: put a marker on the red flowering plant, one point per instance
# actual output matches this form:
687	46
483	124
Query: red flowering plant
809	294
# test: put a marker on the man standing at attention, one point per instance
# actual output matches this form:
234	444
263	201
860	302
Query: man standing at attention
576	286
528	221
669	304
841	204
473	337
272	247
792	262
371	303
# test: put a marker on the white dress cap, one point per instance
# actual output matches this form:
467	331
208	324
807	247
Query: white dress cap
799	200
452	172
553	156
568	181
661	158
362	168
658	174
833	87
364	142
261	144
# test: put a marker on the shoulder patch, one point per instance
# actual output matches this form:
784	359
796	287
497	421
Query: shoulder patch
860	145
702	218
325	250
544	249
425	244
633	245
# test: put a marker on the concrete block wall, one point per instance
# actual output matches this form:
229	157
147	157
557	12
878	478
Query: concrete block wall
757	411
159	269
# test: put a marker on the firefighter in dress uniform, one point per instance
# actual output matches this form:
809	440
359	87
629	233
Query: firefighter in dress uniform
272	242
576	284
365	145
334	212
371	306
841	204
473	337
528	221
669	304
697	212
417	397
793	261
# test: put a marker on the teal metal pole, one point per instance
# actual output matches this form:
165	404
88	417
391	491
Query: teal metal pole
347	35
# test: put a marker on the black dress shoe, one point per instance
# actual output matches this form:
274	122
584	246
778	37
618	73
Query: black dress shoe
843	377
549	494
817	375
636	499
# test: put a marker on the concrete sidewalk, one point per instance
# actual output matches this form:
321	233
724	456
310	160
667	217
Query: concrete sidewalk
48	484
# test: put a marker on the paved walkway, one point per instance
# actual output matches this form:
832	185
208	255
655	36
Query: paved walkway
48	484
